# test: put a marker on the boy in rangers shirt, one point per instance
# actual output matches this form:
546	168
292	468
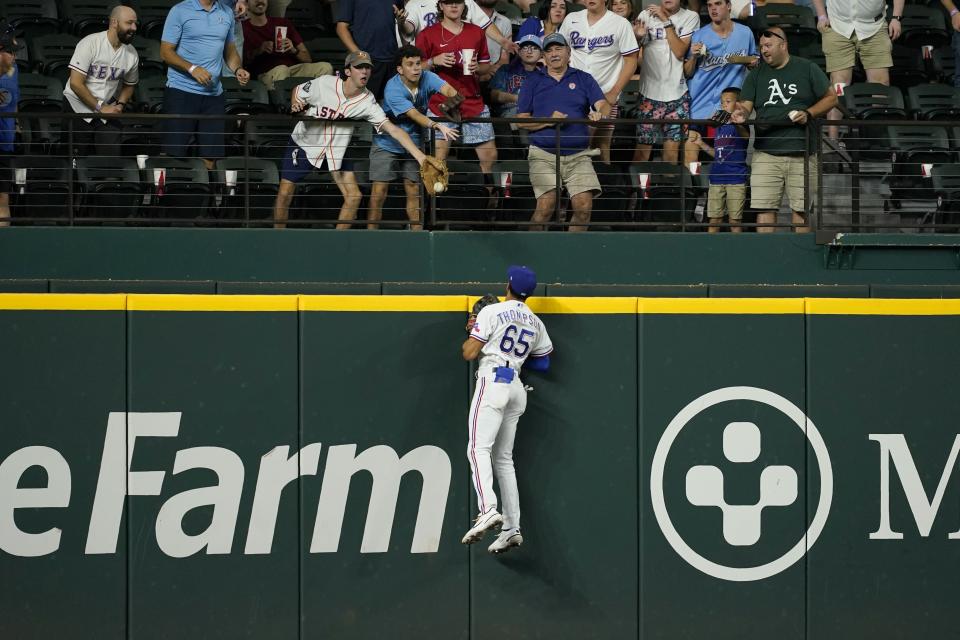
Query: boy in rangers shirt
442	46
329	99
602	44
728	173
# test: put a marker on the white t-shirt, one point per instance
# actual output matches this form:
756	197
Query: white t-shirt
104	67
847	16
506	28
511	333
326	138
661	74
423	13
599	49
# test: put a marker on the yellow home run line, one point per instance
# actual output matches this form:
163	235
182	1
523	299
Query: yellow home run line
461	304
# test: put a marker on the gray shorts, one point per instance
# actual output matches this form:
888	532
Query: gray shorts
386	166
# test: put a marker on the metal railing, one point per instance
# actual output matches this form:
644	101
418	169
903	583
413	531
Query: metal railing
879	176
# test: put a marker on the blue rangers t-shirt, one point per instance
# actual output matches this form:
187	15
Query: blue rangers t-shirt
9	97
714	73
398	99
730	157
509	78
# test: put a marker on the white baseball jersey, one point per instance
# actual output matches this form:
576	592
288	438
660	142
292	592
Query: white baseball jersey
511	333
598	49
661	74
423	13
328	138
104	67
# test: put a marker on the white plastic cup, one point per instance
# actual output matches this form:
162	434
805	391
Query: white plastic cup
230	175
838	87
927	51
142	162
694	168
280	34
157	174
20	176
467	55
643	179
927	169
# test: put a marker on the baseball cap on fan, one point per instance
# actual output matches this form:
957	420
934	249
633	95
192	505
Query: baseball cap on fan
530	39
522	280
358	59
554	38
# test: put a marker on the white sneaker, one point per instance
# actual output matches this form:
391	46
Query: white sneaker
484	522
505	541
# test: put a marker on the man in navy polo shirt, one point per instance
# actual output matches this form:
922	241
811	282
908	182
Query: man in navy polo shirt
198	36
561	92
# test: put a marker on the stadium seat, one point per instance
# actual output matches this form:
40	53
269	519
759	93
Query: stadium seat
84	17
946	186
185	192
108	187
613	204
50	54
149	52
249	99
812	52
40	93
934	101
151	14
916	150
516	200
255	181
269	138
148	94
797	22
280	94
870	100
669	197
31	18
945	64
317	199
909	67
922	26
326	50
305	14
45	189
465	200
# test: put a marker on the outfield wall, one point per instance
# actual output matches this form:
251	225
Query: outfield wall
297	469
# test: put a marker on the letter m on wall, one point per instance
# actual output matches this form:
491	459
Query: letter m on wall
387	471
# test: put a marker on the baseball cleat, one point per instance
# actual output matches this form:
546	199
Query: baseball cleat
505	541
481	525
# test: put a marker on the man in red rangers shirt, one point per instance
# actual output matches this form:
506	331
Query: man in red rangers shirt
443	45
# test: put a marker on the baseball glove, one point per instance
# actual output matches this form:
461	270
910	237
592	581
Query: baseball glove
435	175
720	117
485	301
451	107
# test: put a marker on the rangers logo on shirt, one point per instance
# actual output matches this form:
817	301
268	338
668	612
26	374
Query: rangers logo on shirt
598	42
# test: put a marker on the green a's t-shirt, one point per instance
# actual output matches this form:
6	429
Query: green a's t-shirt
775	93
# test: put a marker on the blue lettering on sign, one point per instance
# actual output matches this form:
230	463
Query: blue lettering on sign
597	42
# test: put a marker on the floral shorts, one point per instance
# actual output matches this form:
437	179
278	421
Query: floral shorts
678	109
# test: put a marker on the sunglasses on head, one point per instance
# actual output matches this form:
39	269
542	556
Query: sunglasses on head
771	34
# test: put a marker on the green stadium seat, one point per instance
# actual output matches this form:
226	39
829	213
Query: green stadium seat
109	187
255	182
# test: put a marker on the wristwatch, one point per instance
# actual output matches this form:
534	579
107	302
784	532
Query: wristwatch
668	25
897	18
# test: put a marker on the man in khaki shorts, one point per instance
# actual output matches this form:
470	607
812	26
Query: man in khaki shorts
561	92
787	93
852	28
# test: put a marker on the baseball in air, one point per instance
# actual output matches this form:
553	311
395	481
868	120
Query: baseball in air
438	187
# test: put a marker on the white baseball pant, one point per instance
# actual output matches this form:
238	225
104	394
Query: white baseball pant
494	412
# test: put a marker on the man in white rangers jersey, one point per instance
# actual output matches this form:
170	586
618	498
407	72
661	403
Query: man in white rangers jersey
505	336
330	99
420	14
602	44
101	62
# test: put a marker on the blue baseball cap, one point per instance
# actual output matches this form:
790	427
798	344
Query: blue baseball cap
554	38
530	39
522	280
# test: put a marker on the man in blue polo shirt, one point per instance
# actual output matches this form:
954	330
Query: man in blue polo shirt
198	37
561	92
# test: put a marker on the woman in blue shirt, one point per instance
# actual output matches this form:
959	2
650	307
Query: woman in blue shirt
547	20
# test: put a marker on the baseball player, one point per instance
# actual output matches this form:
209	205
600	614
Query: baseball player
329	99
505	336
